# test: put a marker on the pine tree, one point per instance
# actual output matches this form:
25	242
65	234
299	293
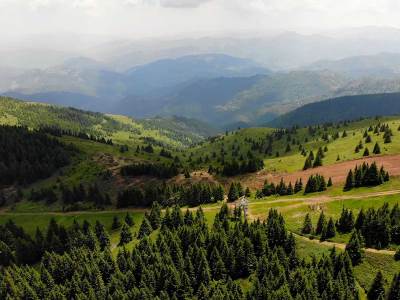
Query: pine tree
387	139
116	223
318	160
129	220
308	163
125	235
377	149
349	181
247	193
155	215
320	224
307	225
328	231
366	152
6	255
360	220
345	223
377	289
233	193
289	190
394	291
354	248
145	228
330	182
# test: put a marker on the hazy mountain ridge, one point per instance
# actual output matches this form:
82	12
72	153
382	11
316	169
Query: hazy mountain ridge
341	109
85	78
199	78
382	65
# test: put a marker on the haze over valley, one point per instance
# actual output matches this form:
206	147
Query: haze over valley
199	149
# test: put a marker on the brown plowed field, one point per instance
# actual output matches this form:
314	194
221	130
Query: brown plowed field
338	171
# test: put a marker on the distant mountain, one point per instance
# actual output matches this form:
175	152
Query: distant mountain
197	99
171	72
241	100
341	109
79	78
90	84
279	51
383	65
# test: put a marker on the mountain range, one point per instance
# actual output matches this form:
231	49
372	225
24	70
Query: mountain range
222	90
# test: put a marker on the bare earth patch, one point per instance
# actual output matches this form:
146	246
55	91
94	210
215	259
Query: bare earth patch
337	172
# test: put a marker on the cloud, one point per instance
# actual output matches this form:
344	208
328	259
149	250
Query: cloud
182	3
155	18
168	3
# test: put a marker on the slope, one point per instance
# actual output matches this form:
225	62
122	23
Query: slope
172	132
340	109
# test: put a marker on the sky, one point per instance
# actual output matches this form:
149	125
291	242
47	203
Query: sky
168	18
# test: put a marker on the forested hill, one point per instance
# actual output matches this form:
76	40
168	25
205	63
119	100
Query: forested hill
341	109
26	156
166	131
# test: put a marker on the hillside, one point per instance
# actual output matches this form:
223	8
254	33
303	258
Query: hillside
252	100
172	132
219	89
171	72
341	109
107	185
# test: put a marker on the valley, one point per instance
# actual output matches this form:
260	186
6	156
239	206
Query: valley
201	162
199	150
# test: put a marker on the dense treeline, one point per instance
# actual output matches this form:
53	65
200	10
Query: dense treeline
235	168
17	247
167	195
26	156
80	193
72	197
377	227
366	175
187	259
59	132
151	169
281	189
316	183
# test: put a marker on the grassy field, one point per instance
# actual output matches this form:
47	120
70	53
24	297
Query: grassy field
290	161
294	210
